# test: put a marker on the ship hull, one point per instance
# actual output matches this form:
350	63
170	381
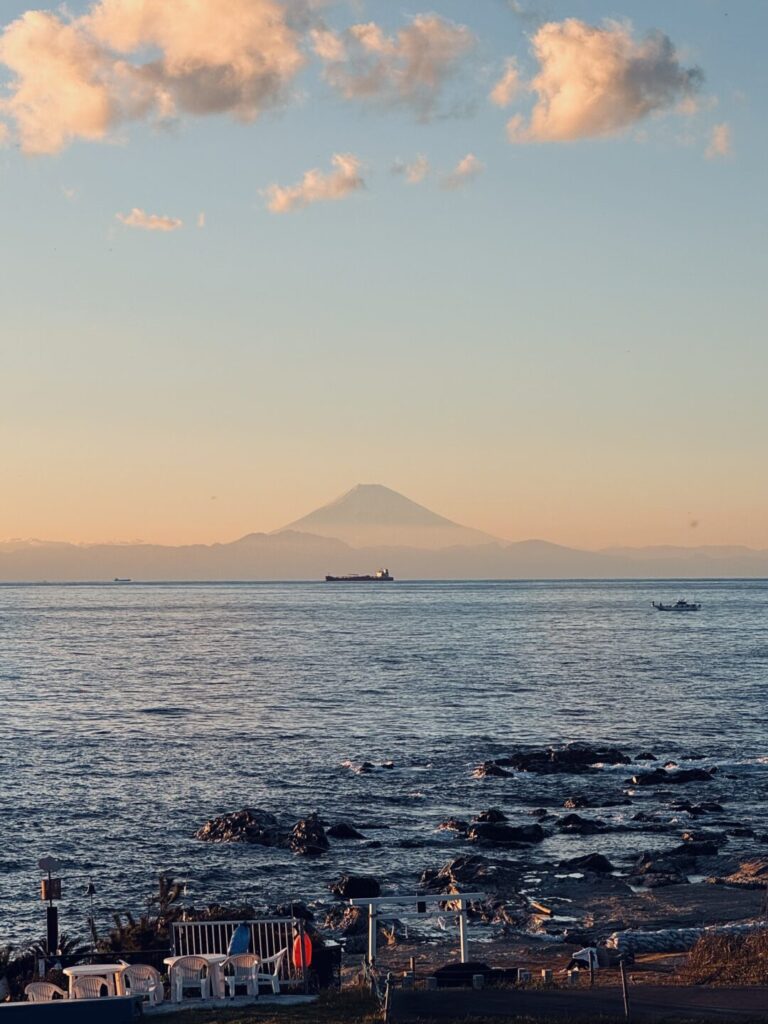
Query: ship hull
359	579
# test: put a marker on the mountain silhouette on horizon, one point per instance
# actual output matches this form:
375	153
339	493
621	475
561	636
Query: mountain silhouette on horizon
372	515
369	526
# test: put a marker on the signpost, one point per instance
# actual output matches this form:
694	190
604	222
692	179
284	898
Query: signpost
50	890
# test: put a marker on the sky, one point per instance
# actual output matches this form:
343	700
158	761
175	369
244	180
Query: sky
505	257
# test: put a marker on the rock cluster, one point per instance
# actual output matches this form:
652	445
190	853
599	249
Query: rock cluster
246	826
261	828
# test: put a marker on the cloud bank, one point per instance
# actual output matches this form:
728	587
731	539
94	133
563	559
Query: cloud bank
595	81
79	78
316	187
408	69
149	221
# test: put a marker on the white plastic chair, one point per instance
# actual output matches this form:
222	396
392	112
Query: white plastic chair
189	972
43	992
89	987
245	971
272	978
143	980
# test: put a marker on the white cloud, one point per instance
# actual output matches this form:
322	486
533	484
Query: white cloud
414	172
508	86
149	221
409	69
466	170
719	141
596	81
316	187
79	77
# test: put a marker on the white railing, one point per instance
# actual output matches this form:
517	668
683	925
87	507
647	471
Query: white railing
268	937
418	904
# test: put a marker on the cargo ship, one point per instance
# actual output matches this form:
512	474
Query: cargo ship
380	576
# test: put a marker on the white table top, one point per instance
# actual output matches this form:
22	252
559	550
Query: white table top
212	958
97	970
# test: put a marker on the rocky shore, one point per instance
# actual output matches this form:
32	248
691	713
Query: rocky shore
639	843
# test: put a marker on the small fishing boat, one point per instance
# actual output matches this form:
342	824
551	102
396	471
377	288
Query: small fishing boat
679	606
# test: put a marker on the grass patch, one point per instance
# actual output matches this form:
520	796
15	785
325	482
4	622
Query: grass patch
728	960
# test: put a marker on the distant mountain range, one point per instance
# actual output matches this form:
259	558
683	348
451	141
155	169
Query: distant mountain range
368	527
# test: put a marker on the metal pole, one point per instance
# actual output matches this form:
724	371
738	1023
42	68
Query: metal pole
371	934
624	987
302	955
463	932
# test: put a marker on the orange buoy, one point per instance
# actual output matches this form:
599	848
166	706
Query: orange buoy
297	951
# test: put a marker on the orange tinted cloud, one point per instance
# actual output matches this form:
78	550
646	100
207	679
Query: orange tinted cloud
599	80
78	78
316	187
408	69
149	221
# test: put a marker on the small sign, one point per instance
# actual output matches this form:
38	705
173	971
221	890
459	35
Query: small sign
50	889
49	864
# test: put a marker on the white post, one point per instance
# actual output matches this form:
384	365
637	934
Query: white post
371	934
463	931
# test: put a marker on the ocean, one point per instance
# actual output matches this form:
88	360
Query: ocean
130	714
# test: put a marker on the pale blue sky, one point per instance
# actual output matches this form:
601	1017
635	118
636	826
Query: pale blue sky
570	346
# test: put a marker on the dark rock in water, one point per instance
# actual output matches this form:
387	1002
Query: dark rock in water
365	767
652	871
697	810
343	830
493	814
454	825
594	862
575	758
702	836
389	765
576	803
668	867
298	909
308	837
472	872
346	920
540	812
574	824
646	756
247	826
356	887
507	835
644	816
490	770
662	777
693	850
742	833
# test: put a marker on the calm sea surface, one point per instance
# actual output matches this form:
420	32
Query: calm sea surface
129	714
